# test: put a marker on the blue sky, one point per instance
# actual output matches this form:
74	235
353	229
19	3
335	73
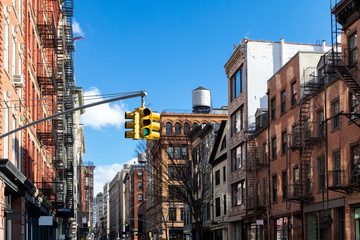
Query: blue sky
169	48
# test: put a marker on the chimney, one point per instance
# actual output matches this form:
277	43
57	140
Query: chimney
282	60
323	45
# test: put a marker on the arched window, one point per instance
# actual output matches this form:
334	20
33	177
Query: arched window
194	125
186	128
168	128
177	128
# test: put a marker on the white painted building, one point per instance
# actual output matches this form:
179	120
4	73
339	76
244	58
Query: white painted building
252	63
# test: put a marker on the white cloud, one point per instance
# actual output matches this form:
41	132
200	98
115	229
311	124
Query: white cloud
76	28
104	115
106	173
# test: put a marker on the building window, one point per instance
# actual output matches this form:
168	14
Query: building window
242	117
217	177
13	65
217	206
177	129
274	188
14	140
238	157
194	125
273	109
352	49
320	123
168	129
182	214
140	174
355	163
237	83
6	44
224	173
238	192
20	151
283	142
140	186
353	103
335	110
186	128
224	204
235	123
20	13
307	175
6	129
177	152
171	152
283	101
184	153
284	184
172	214
336	169
273	148
296	181
321	172
293	93
140	197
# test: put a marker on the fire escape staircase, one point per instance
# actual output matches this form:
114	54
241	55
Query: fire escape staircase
253	165
303	140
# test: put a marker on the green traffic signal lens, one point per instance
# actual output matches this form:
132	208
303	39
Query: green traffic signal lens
146	131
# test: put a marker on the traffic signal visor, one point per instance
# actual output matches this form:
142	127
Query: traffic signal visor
149	124
134	124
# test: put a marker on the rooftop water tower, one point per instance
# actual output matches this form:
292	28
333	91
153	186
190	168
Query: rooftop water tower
201	100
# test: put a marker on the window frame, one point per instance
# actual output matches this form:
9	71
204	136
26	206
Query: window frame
168	128
353	103
273	147
177	128
217	207
293	93
353	57
283	142
274	188
186	128
273	109
335	120
283	101
217	177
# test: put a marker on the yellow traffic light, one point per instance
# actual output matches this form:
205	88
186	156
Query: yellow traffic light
134	124
149	124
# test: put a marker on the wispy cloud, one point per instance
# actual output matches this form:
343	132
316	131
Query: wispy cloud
106	173
76	28
104	115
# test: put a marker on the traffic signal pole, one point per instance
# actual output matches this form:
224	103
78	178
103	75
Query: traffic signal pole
141	94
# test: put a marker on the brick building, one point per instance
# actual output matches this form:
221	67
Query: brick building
36	74
247	93
173	149
302	175
136	191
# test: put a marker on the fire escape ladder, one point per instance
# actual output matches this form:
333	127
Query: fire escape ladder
303	139
253	165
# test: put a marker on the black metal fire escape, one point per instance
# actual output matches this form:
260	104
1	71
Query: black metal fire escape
304	139
341	63
254	206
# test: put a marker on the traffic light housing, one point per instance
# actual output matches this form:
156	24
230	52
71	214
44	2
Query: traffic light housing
149	124
127	229
134	124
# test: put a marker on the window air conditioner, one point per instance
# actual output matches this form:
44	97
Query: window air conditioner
18	80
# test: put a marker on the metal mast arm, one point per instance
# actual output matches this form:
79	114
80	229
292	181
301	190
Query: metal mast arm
132	95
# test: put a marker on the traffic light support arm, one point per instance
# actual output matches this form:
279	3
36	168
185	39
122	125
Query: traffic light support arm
132	95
